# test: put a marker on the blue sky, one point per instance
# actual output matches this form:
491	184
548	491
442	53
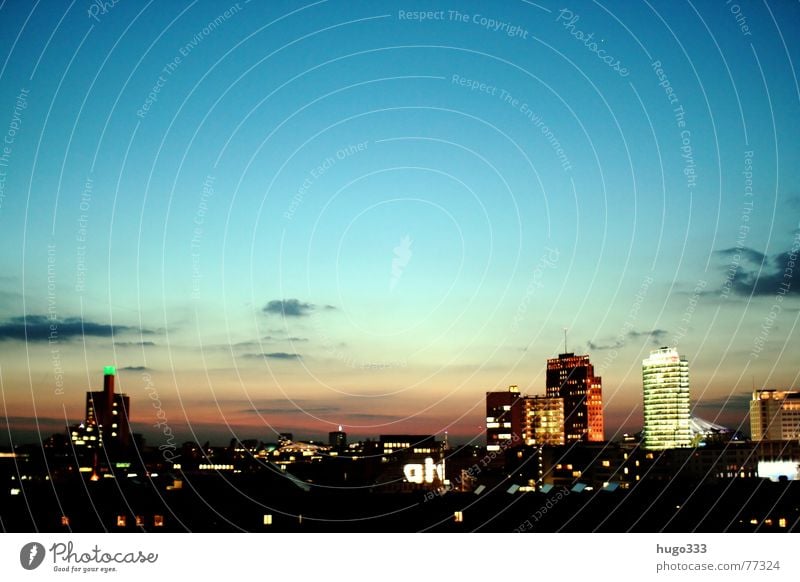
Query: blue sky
431	202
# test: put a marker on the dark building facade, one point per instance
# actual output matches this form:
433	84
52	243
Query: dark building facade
107	412
505	418
337	439
572	378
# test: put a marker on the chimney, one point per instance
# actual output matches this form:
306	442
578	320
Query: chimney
108	387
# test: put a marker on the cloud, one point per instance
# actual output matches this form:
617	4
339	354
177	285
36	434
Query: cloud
275	356
373	416
656	336
15	421
750	255
600	347
794	201
39	328
767	274
293	410
289	308
274	339
292	308
134	344
732	402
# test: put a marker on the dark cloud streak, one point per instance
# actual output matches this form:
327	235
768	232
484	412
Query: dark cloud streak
40	328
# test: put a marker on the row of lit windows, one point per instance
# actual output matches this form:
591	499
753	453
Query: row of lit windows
122	521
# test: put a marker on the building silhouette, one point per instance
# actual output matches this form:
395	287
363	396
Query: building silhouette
504	418
106	419
337	439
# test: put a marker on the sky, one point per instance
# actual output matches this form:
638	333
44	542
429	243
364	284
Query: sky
289	216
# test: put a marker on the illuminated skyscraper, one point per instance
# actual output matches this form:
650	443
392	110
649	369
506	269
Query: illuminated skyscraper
665	380
504	419
572	378
544	421
775	415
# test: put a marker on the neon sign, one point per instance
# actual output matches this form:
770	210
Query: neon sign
424	473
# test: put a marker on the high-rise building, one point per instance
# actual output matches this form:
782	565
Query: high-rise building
665	381
107	412
544	420
504	418
775	415
337	439
572	379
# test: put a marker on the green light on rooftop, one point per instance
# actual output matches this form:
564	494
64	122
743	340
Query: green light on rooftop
109	371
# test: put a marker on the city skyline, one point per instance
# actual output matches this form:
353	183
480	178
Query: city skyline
511	415
275	217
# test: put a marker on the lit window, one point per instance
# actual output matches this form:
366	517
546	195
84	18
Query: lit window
139	521
122	521
267	519
64	521
158	521
782	522
458	516
606	463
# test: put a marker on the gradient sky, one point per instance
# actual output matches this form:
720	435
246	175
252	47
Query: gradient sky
290	216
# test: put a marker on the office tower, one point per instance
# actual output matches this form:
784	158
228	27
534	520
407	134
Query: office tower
504	419
572	379
775	415
107	412
544	421
337	439
665	380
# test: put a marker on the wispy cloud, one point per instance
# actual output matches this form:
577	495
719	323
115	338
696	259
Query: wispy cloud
656	335
274	356
734	401
293	410
40	328
764	274
288	308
